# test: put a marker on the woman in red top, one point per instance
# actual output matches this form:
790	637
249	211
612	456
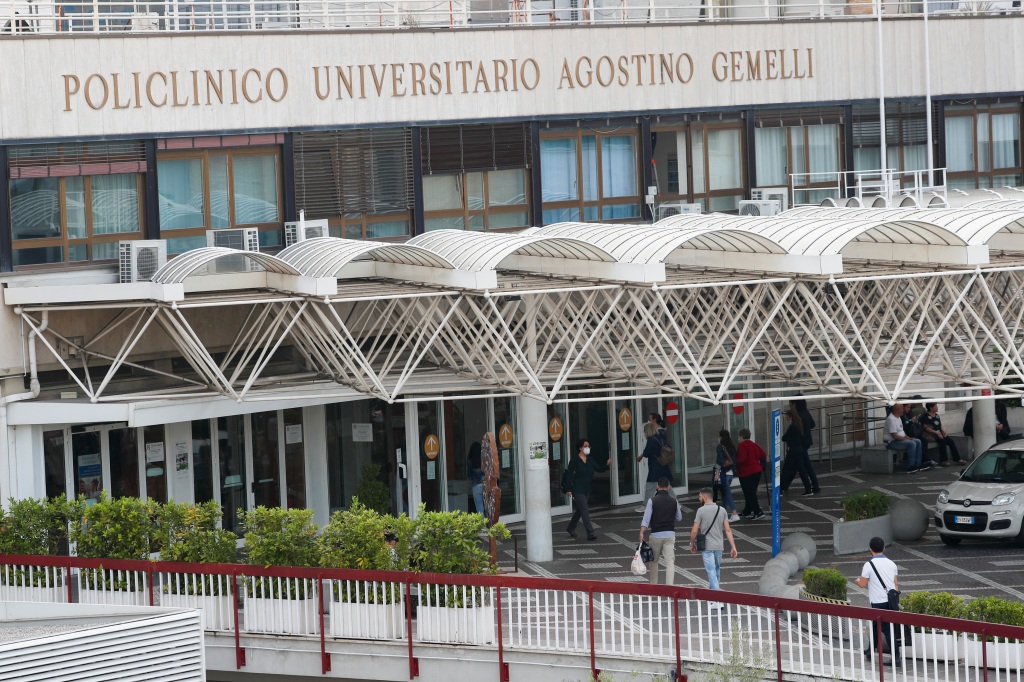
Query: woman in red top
750	462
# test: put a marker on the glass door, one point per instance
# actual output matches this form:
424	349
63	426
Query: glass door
366	455
266	460
87	465
625	468
591	421
430	458
232	465
561	449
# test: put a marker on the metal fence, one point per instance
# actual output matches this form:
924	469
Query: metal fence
661	626
103	16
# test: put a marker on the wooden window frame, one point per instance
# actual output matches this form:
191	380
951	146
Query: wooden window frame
90	240
465	212
991	110
231	153
579	202
688	130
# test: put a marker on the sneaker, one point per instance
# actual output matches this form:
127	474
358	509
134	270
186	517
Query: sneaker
640	510
945	464
757	517
932	463
734	518
924	467
913	470
591	537
807	493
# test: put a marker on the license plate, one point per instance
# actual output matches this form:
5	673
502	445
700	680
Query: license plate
966	520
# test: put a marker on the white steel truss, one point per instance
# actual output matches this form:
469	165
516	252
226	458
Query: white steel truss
702	334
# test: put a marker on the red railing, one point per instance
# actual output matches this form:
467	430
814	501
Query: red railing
607	606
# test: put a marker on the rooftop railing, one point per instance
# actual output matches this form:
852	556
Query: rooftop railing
101	16
655	627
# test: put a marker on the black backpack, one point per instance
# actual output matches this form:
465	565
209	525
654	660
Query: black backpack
568	478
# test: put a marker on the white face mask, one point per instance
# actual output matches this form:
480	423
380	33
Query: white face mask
586	451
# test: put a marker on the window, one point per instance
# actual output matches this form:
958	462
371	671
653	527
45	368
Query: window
491	200
697	162
906	139
804	157
359	180
983	145
589	175
216	189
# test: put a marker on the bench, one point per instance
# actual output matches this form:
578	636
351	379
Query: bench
877	461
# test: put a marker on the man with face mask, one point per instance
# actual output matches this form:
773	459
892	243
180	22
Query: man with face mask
580	475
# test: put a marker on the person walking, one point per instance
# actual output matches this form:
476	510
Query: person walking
583	467
750	462
880	575
725	461
656	437
797	459
660	516
713	524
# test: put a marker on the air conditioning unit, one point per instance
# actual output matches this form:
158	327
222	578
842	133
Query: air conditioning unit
301	230
669	209
779	194
760	208
139	259
241	238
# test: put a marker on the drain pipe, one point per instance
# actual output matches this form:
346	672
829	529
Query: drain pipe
9	466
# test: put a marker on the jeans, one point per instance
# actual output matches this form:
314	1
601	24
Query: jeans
581	511
478	497
725	479
912	447
749	485
663	547
713	566
887	631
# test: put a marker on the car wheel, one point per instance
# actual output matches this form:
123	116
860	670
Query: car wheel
952	541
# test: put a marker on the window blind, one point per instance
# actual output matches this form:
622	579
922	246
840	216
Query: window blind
461	148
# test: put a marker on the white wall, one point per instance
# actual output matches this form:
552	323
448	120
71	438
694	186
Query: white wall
49	94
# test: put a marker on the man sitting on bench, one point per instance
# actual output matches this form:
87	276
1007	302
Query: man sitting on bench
897	439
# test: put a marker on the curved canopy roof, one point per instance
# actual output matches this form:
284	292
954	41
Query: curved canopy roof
855	233
191	262
998	229
270	272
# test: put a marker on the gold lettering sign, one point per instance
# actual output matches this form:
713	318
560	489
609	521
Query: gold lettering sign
255	85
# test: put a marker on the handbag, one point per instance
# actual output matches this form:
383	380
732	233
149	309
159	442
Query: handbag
701	541
638	567
892	595
568	478
646	553
666	455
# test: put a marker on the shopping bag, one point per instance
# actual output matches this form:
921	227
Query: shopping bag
638	566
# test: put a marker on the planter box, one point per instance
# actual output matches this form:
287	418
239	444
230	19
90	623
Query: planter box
367	621
447	625
88	595
935	646
281	616
33	594
852	537
217	611
823	625
1001	655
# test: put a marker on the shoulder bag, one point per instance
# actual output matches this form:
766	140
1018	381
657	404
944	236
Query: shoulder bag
701	541
892	595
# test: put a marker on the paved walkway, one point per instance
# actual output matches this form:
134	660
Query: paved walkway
973	569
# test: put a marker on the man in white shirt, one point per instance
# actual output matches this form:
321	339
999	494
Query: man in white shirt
897	439
880	575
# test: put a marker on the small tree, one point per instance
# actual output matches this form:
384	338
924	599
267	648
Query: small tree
39	527
278	537
119	528
188	533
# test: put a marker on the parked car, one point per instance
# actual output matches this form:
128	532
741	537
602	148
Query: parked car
987	501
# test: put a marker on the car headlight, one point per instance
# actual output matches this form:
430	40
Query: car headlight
1005	498
943	496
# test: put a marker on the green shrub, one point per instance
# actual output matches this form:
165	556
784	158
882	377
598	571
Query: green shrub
38	527
866	504
941	604
278	537
372	491
189	533
825	582
114	529
995	610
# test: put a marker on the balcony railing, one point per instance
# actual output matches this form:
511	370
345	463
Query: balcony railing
103	16
657	627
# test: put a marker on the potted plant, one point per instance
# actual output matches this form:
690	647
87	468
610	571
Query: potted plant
450	542
355	538
280	537
865	515
928	643
188	533
828	586
1002	653
114	529
40	528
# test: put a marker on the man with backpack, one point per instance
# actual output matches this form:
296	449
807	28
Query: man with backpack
659	454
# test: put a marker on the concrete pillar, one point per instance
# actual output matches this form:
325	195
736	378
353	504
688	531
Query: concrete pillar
984	425
534	425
